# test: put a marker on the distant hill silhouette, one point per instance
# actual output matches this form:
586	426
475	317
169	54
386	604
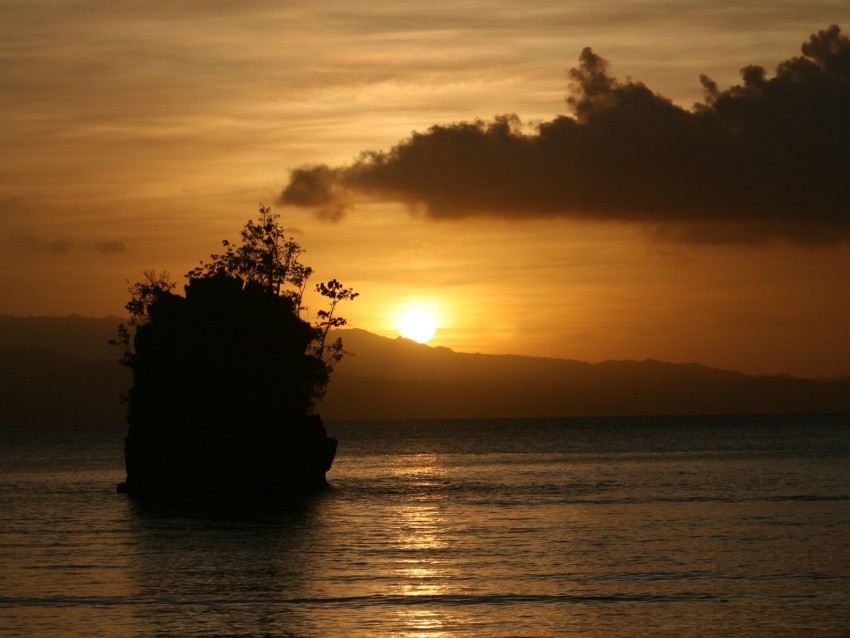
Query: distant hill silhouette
62	371
81	336
398	379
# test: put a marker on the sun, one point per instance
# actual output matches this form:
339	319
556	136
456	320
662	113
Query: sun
417	324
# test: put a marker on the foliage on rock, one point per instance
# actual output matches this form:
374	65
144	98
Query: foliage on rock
226	378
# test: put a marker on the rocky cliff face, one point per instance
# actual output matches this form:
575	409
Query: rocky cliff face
222	395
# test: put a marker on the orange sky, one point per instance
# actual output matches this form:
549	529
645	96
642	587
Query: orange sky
139	134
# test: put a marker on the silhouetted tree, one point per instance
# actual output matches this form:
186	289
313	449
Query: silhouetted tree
265	257
226	378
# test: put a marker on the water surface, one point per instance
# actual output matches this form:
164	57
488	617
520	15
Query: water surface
614	527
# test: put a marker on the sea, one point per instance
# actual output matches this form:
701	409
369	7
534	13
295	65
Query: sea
674	526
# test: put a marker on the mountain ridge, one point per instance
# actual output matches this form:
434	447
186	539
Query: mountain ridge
62	370
417	381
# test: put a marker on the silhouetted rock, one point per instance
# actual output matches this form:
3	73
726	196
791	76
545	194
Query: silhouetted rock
226	379
223	388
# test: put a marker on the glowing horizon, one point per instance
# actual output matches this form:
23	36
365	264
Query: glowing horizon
141	139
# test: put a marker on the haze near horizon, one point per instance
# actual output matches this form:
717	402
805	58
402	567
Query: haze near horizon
587	182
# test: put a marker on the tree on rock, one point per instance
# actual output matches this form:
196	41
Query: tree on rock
226	378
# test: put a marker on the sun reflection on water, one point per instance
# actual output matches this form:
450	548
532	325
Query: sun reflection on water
421	527
422	537
419	623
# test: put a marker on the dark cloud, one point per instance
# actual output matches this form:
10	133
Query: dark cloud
320	188
110	247
58	246
31	243
769	157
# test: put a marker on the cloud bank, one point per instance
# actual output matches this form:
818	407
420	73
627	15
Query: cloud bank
767	158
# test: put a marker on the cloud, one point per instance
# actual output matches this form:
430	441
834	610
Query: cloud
769	157
320	188
30	243
110	247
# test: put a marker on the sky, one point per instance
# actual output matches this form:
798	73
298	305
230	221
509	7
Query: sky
589	180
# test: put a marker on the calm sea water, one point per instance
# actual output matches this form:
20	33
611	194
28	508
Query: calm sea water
602	527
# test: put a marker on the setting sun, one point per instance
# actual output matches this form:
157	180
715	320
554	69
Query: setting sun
417	324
